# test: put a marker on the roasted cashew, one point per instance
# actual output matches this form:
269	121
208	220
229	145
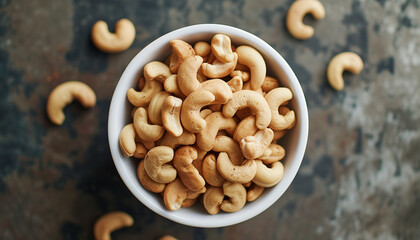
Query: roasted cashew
156	167
268	177
189	175
127	140
248	184
214	122
245	128
233	173
205	112
154	110
171	111
247	86
228	145
210	172
175	193
140	151
275	98
273	153
147	182
345	61
188	203
269	84
253	100
254	146
64	94
235	84
294	18
219	88
212	199
202	49
187	75
222	48
278	134
190	111
109	223
171	85
254	192
218	68
198	163
146	131
157	71
242	74
142	98
169	140
124	35
181	50
237	197
255	62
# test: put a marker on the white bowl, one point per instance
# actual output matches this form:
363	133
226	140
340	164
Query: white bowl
294	142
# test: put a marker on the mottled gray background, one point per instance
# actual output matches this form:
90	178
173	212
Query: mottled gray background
360	178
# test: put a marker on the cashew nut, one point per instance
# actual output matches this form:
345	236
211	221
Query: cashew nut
171	111
242	74
64	94
254	146
202	49
205	112
215	107
235	84
142	98
247	86
254	192
228	145
210	172
237	197
188	202
147	182
345	61
175	194
294	18
189	175
154	110
171	85
140	151
255	62
186	138
109	223
278	134
146	131
275	98
233	173
127	140
222	48
157	71
253	100
181	50
214	122
243	113
198	163
212	199
124	35
269	84
268	176
190	111
219	88
273	153
187	74
156	167
218	68
245	128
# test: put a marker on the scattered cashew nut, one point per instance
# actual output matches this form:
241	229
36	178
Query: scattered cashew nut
155	164
294	18
109	223
345	61
124	35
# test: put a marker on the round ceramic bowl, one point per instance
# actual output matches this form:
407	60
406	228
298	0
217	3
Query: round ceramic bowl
294	142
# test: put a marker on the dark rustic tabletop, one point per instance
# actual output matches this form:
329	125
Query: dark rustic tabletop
360	177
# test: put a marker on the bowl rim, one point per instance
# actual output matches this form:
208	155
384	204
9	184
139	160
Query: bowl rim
230	218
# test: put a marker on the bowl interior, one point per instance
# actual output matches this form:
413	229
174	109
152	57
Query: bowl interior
294	142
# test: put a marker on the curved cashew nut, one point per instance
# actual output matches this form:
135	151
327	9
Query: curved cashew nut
242	74
181	50
275	98
214	122
253	100
278	134
254	146
254	192
190	111
268	177
156	167
294	18
235	84
247	86
212	199
228	145
219	88
109	223
189	175
205	112
222	48
202	49
251	58
157	71
218	68
210	172
146	131
245	128
142	98
169	140
140	151
64	94
187	74
127	140
237	197
188	203
171	111
345	61
176	193
240	174
147	182
171	85
154	110
198	163
124	35
269	84
273	153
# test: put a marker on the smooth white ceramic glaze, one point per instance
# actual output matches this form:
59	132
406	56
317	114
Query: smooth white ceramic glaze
294	142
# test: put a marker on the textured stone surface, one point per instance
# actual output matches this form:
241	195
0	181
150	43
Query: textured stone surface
360	178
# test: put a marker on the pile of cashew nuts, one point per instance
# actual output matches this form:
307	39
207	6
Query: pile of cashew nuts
206	121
